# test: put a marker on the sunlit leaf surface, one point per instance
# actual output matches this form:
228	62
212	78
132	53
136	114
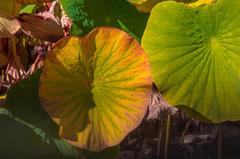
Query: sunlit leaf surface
201	2
194	54
97	87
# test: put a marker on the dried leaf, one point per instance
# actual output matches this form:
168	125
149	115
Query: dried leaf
8	25
45	29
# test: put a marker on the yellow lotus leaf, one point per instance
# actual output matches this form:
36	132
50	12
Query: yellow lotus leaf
96	87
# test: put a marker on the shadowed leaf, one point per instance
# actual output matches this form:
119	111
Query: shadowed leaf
26	130
93	13
38	27
97	87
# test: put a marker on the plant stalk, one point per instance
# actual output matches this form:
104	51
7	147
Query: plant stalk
220	146
168	128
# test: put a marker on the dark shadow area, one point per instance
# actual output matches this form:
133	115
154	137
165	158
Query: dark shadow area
20	141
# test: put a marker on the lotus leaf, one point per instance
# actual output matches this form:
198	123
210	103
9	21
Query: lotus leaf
96	87
194	55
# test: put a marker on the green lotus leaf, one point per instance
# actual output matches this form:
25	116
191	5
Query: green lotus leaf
194	54
97	87
93	13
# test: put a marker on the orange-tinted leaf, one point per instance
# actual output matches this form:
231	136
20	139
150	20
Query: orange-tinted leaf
97	87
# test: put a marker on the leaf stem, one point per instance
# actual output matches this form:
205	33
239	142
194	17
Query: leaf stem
219	128
168	128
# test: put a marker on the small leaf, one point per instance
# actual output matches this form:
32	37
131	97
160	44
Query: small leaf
28	9
97	87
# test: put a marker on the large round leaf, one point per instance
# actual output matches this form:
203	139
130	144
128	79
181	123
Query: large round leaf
106	13
96	88
194	54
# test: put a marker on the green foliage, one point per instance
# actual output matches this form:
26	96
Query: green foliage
92	13
28	8
194	54
96	88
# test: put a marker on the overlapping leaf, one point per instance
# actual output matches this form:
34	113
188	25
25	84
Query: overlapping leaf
194	54
146	6
91	13
26	130
12	7
39	27
96	88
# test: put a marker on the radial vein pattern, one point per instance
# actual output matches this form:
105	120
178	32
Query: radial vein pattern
194	54
96	87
